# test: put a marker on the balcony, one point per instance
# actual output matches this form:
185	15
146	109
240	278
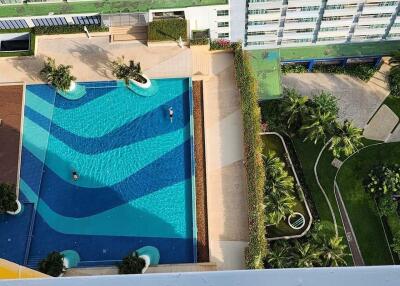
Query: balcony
341	12
337	23
370	20
266	5
268	27
264	17
292	14
307	3
375	9
337	33
299	25
259	38
294	35
369	31
342	2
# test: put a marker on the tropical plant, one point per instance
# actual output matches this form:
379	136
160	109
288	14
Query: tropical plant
325	102
306	254
8	198
131	264
280	255
278	205
126	72
346	139
387	205
58	76
334	252
383	179
277	177
318	126
53	264
294	107
396	243
394	74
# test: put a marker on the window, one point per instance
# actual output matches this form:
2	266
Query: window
223	24
223	35
325	29
259	23
222	12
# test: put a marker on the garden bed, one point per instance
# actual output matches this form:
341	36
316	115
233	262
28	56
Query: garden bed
274	143
201	184
167	30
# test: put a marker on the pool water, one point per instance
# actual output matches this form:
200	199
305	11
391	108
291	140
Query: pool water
135	171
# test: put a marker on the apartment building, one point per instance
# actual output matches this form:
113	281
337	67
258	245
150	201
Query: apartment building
274	23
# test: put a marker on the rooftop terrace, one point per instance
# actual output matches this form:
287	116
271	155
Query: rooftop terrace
266	63
110	6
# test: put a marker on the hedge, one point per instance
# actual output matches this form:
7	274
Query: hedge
167	30
199	41
363	71
71	29
254	165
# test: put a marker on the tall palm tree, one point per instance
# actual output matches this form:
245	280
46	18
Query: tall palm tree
58	76
294	107
318	126
346	140
278	204
306	255
279	255
334	252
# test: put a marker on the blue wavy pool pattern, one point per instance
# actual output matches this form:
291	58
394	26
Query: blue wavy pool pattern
134	166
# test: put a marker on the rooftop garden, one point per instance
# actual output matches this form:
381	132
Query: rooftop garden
105	7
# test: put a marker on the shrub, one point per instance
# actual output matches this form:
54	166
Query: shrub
53	264
363	71
200	41
8	198
131	264
221	44
387	206
394	81
253	162
396	243
383	180
167	30
71	29
294	68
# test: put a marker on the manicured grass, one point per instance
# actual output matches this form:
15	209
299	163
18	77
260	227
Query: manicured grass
360	205
267	69
307	154
110	6
393	103
339	50
274	143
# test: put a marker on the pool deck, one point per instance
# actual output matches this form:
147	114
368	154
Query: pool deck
226	192
11	102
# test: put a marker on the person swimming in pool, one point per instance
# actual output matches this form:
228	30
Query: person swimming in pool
75	176
171	114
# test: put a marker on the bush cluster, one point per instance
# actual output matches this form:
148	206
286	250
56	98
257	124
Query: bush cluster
167	30
70	29
199	41
223	44
363	71
254	166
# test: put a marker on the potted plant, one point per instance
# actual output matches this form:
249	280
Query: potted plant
133	264
53	264
131	73
8	200
58	76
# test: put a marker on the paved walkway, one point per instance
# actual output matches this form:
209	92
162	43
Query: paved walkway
348	228
381	124
91	59
356	99
226	192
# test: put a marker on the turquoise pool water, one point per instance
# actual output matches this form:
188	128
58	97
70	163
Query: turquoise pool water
135	172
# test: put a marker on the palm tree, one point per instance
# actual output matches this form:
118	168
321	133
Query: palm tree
318	126
294	107
278	204
279	255
58	76
346	139
334	252
306	255
277	177
126	72
326	102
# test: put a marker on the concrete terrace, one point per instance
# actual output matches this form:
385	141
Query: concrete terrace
105	7
267	67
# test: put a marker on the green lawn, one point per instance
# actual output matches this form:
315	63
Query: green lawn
274	143
110	6
393	103
360	205
339	50
267	68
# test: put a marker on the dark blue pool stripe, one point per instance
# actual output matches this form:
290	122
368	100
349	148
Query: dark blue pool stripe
151	124
44	91
171	168
99	248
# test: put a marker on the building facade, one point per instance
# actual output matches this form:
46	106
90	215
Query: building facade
258	24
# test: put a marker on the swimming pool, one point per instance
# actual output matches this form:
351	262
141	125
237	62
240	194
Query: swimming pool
135	167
